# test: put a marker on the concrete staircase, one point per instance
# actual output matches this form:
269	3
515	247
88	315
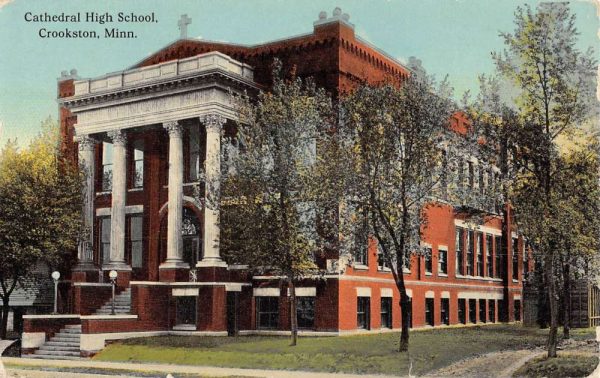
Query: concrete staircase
122	304
64	345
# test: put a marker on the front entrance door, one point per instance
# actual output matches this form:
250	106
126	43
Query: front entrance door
185	315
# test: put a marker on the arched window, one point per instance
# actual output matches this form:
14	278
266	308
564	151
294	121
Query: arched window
190	232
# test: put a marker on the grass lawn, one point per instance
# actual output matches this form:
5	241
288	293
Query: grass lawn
375	354
565	365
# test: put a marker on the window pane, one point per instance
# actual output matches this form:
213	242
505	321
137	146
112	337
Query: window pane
107	160
305	310
194	148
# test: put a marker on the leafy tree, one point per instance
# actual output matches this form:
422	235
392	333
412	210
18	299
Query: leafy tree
269	212
555	83
578	203
400	159
40	211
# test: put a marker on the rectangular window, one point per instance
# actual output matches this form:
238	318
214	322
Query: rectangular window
471	175
429	311
305	311
515	258
479	254
386	312
470	252
502	311
482	312
107	164
381	265
137	174
462	310
488	255
445	311
194	148
104	240
363	313
410	312
517	310
481	180
267	312
472	310
460	249
442	261
499	257
525	262
428	258
461	174
135	240
492	310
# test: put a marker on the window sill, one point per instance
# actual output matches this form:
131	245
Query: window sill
135	190
103	193
515	281
360	267
443	274
384	270
428	274
405	271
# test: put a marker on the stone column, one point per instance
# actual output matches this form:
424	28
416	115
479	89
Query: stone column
119	193
214	125
87	149
175	202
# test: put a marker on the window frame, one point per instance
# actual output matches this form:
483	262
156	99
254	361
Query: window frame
386	316
363	313
430	311
303	311
269	312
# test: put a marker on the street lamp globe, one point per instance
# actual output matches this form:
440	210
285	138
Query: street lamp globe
112	274
55	275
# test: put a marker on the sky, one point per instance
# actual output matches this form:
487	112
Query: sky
451	37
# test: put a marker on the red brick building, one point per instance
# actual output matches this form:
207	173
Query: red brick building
149	137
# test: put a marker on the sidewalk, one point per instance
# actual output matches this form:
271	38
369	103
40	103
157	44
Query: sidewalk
171	369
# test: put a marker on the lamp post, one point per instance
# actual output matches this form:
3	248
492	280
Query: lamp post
113	280
55	277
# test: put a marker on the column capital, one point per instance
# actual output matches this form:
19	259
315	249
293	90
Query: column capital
213	122
174	128
119	138
85	142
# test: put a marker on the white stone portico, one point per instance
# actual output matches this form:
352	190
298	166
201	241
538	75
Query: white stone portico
109	107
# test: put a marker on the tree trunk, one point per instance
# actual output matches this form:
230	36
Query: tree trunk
405	311
293	314
552	335
567	301
4	322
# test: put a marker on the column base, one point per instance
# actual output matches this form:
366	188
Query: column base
212	273
167	274
85	272
214	262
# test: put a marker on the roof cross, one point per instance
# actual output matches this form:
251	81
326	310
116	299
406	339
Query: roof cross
183	22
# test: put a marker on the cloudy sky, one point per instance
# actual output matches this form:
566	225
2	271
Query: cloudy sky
453	37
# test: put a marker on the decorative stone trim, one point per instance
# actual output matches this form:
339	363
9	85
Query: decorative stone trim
86	143
213	122
108	317
173	128
118	137
50	316
363	291
186	292
266	292
386	292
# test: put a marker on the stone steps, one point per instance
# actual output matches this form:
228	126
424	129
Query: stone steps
122	304
64	345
